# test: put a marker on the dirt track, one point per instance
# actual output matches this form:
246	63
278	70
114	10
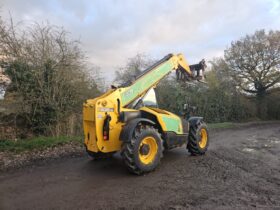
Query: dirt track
241	170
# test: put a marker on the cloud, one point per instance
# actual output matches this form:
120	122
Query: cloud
113	30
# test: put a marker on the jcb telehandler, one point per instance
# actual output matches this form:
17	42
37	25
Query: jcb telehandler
127	119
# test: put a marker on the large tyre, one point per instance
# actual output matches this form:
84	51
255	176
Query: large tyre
143	152
198	139
99	155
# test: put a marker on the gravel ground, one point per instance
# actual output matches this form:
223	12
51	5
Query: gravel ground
241	170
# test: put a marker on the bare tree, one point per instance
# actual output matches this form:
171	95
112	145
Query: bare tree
48	74
254	62
132	69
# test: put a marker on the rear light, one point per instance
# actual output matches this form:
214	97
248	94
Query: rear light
106	127
105	135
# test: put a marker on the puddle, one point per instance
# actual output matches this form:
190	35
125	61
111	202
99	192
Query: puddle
274	140
248	150
260	143
252	138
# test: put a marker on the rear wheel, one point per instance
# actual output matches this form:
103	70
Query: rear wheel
144	150
198	139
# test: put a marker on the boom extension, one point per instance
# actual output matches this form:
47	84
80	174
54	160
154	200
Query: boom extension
153	75
183	71
187	73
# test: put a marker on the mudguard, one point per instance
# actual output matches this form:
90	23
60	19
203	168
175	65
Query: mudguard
127	131
195	120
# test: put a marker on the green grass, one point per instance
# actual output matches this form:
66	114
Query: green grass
39	143
221	125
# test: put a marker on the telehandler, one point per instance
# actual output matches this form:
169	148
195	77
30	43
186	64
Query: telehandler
127	119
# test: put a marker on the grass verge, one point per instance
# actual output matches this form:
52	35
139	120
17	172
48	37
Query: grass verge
37	143
221	125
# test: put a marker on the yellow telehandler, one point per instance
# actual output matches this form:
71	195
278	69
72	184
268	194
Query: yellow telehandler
128	119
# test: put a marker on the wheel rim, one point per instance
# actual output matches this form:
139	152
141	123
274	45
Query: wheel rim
148	150
203	139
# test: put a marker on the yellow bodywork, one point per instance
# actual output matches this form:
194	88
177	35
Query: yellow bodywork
95	111
93	125
179	60
94	117
161	115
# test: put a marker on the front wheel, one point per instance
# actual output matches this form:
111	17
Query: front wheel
143	152
198	139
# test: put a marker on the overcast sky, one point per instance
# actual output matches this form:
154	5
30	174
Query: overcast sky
113	30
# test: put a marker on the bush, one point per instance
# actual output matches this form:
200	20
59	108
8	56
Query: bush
49	77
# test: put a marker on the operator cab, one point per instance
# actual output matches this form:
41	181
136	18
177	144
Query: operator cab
148	100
